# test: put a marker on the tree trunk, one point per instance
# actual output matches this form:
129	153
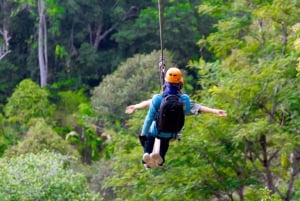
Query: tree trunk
42	44
100	33
4	47
263	142
294	172
266	164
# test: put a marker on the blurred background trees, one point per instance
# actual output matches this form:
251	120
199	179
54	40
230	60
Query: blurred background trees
241	56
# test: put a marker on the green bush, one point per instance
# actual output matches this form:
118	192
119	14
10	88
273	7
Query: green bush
262	194
67	106
133	81
28	101
39	137
43	176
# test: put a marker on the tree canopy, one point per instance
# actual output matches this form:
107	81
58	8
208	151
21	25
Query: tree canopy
240	56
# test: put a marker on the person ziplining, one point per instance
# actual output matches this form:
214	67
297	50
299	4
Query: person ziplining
165	118
166	114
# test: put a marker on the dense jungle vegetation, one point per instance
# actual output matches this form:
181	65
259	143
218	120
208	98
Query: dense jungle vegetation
69	68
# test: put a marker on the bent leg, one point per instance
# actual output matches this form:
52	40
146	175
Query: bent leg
149	142
164	146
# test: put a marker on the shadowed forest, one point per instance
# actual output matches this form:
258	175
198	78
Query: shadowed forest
69	68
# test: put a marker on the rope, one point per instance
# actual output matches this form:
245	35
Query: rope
161	64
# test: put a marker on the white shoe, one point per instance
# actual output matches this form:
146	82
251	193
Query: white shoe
148	160
147	167
157	158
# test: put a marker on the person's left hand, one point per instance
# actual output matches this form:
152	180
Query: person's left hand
130	109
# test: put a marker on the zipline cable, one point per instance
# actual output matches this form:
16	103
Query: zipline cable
161	64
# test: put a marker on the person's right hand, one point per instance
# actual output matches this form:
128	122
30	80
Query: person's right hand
130	109
220	113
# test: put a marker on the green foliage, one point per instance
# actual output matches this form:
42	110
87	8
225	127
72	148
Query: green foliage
60	52
90	142
10	134
133	81
52	10
187	170
8	79
28	101
255	81
296	43
43	176
124	28
97	173
75	121
3	138
89	63
67	106
41	136
178	37
253	75
70	100
261	194
208	74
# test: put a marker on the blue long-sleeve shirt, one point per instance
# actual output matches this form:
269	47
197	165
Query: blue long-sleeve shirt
149	123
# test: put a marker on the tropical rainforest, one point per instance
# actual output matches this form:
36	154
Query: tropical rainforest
69	68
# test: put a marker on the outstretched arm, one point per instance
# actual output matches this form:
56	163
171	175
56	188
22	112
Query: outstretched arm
196	108
218	112
131	108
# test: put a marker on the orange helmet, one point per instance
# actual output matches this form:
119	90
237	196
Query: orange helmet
174	75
